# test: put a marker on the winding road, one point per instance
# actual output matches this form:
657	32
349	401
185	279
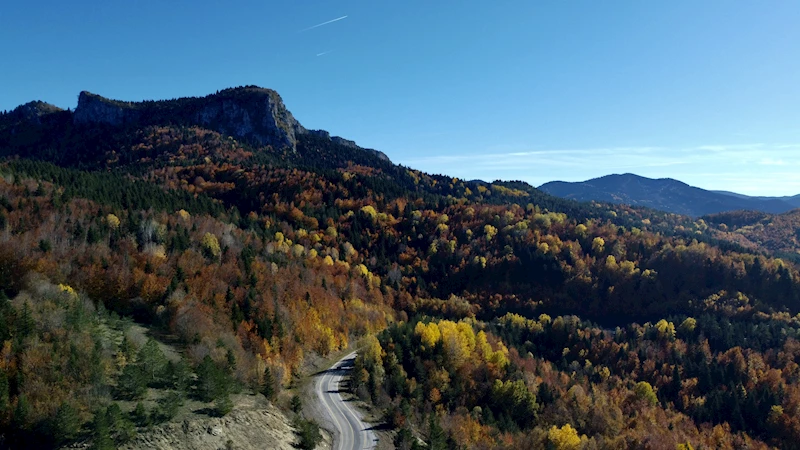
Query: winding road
353	433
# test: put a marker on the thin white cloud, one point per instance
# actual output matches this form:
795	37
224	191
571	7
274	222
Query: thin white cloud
324	53
754	169
772	162
729	147
323	24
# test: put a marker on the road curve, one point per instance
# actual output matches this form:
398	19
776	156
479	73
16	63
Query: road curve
353	433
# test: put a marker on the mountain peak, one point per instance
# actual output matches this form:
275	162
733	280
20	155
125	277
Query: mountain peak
251	113
665	194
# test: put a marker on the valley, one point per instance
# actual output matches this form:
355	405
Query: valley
486	315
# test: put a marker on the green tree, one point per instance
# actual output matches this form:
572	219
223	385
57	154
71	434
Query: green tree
296	404
177	375
152	361
437	438
223	405
644	391
21	412
168	407
26	325
139	415
132	383
101	432
66	423
308	432
268	385
45	245
212	381
4	393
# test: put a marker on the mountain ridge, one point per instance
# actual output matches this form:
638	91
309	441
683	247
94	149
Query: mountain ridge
664	194
255	114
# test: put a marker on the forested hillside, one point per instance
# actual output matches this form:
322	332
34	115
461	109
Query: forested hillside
496	316
778	234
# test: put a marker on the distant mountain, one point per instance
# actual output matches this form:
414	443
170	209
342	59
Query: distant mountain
665	194
792	200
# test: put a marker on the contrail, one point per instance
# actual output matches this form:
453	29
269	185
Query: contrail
324	53
323	23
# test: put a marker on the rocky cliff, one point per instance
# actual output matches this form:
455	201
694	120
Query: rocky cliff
93	109
250	113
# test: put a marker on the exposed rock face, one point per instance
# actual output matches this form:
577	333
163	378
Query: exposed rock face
96	109
261	117
251	113
321	133
347	143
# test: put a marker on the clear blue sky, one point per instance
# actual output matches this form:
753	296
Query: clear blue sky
704	91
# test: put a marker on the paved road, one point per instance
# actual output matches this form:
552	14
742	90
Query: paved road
353	433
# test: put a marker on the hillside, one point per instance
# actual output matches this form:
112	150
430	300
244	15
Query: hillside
493	315
775	233
664	194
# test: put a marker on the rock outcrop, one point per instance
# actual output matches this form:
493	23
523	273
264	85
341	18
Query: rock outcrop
93	109
250	113
34	111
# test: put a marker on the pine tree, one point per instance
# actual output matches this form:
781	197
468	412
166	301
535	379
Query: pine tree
437	439
66	423
296	404
268	386
21	412
212	381
26	325
223	405
132	383
101	432
139	415
152	360
4	393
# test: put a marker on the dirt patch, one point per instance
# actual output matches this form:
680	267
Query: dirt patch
254	424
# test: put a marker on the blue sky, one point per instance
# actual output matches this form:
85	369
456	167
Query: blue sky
703	91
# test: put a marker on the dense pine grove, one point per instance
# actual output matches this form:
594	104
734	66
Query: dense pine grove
490	315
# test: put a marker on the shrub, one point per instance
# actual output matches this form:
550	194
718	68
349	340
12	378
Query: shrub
308	432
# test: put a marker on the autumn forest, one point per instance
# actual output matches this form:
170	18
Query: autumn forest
486	315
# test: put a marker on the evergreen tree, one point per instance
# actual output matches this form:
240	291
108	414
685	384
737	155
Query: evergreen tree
223	405
101	432
268	386
66	423
139	415
21	412
26	325
4	393
437	439
212	381
132	383
152	361
177	375
296	404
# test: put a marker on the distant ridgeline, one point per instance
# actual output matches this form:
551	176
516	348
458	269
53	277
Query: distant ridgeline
667	195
